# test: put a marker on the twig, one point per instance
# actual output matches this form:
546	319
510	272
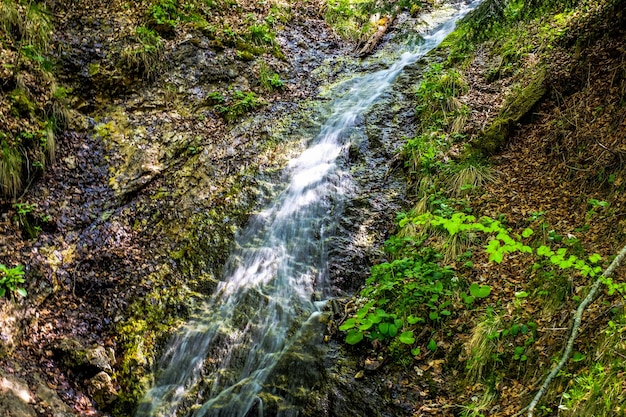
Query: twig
520	412
618	354
577	319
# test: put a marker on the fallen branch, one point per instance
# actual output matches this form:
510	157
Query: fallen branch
576	326
383	25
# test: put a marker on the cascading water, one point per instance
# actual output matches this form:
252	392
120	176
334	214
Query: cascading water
221	359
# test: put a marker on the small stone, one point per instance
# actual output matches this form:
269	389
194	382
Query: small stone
371	365
101	390
359	375
70	162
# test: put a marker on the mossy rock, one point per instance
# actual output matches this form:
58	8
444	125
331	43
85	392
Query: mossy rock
517	106
22	106
245	56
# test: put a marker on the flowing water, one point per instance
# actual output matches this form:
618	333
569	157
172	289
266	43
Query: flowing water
218	363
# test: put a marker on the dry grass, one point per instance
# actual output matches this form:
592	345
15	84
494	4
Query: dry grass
10	171
481	346
146	61
469	178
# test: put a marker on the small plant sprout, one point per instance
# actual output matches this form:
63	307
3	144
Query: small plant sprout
10	280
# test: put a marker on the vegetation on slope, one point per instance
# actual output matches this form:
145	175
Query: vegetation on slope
32	105
518	195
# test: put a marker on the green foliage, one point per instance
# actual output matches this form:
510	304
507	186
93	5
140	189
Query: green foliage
215	97
145	56
441	116
30	222
373	323
33	54
414	285
269	80
261	34
437	105
164	15
598	388
498	340
237	105
148	38
420	154
10	280
349	18
503	243
479	291
403	294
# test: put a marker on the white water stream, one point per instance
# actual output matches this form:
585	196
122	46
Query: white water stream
221	360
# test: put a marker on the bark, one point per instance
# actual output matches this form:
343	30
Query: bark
375	38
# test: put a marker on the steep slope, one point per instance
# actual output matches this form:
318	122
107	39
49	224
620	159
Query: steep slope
518	172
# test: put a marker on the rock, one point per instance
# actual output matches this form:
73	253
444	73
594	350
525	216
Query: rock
50	400
70	162
79	358
9	327
371	364
16	398
101	390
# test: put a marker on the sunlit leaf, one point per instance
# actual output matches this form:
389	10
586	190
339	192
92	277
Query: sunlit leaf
353	337
407	338
348	324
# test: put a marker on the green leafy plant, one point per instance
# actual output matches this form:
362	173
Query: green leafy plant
595	205
261	34
10	280
239	104
29	220
164	15
372	323
402	294
269	80
26	219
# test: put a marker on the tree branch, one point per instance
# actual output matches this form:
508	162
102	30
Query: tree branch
577	319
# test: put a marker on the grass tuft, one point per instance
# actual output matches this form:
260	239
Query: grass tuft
10	170
469	178
482	346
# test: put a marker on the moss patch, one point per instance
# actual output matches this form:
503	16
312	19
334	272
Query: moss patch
516	107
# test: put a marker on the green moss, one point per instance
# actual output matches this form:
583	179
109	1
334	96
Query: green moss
245	56
22	106
152	319
250	48
517	106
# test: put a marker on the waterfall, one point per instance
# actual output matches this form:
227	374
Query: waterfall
223	357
